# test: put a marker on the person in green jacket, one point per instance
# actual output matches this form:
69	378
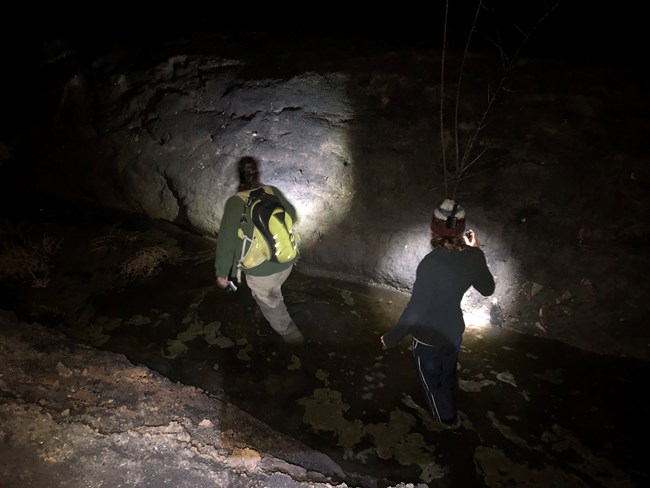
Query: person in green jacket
265	280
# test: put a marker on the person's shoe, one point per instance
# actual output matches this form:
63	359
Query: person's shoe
295	338
454	425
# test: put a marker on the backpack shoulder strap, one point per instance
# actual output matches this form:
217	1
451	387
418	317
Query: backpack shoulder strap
243	194
246	241
248	196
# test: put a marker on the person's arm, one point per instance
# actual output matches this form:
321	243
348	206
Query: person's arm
410	314
484	281
395	335
228	240
222	281
471	239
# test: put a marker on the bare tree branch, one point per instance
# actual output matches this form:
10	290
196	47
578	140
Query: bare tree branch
466	161
442	95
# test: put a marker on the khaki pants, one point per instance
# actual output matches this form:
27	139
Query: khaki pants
267	292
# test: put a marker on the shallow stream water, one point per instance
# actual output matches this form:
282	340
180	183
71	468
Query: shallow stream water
536	412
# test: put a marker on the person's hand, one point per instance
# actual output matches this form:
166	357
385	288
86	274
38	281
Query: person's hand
383	344
222	281
471	239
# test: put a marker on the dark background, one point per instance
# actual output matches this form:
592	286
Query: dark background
606	31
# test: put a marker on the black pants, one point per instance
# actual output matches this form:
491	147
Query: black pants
437	369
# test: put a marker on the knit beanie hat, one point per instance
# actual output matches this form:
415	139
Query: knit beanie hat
448	219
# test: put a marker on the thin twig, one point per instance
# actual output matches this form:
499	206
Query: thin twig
495	93
442	95
479	6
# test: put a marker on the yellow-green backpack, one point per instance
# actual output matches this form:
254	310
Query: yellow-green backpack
274	238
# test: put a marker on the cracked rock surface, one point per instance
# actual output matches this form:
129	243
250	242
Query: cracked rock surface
74	416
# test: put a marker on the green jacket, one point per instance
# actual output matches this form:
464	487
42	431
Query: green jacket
229	245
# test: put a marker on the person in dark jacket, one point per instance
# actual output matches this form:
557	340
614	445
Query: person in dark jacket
266	279
433	315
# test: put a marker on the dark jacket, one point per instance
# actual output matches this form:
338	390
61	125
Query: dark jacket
433	314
